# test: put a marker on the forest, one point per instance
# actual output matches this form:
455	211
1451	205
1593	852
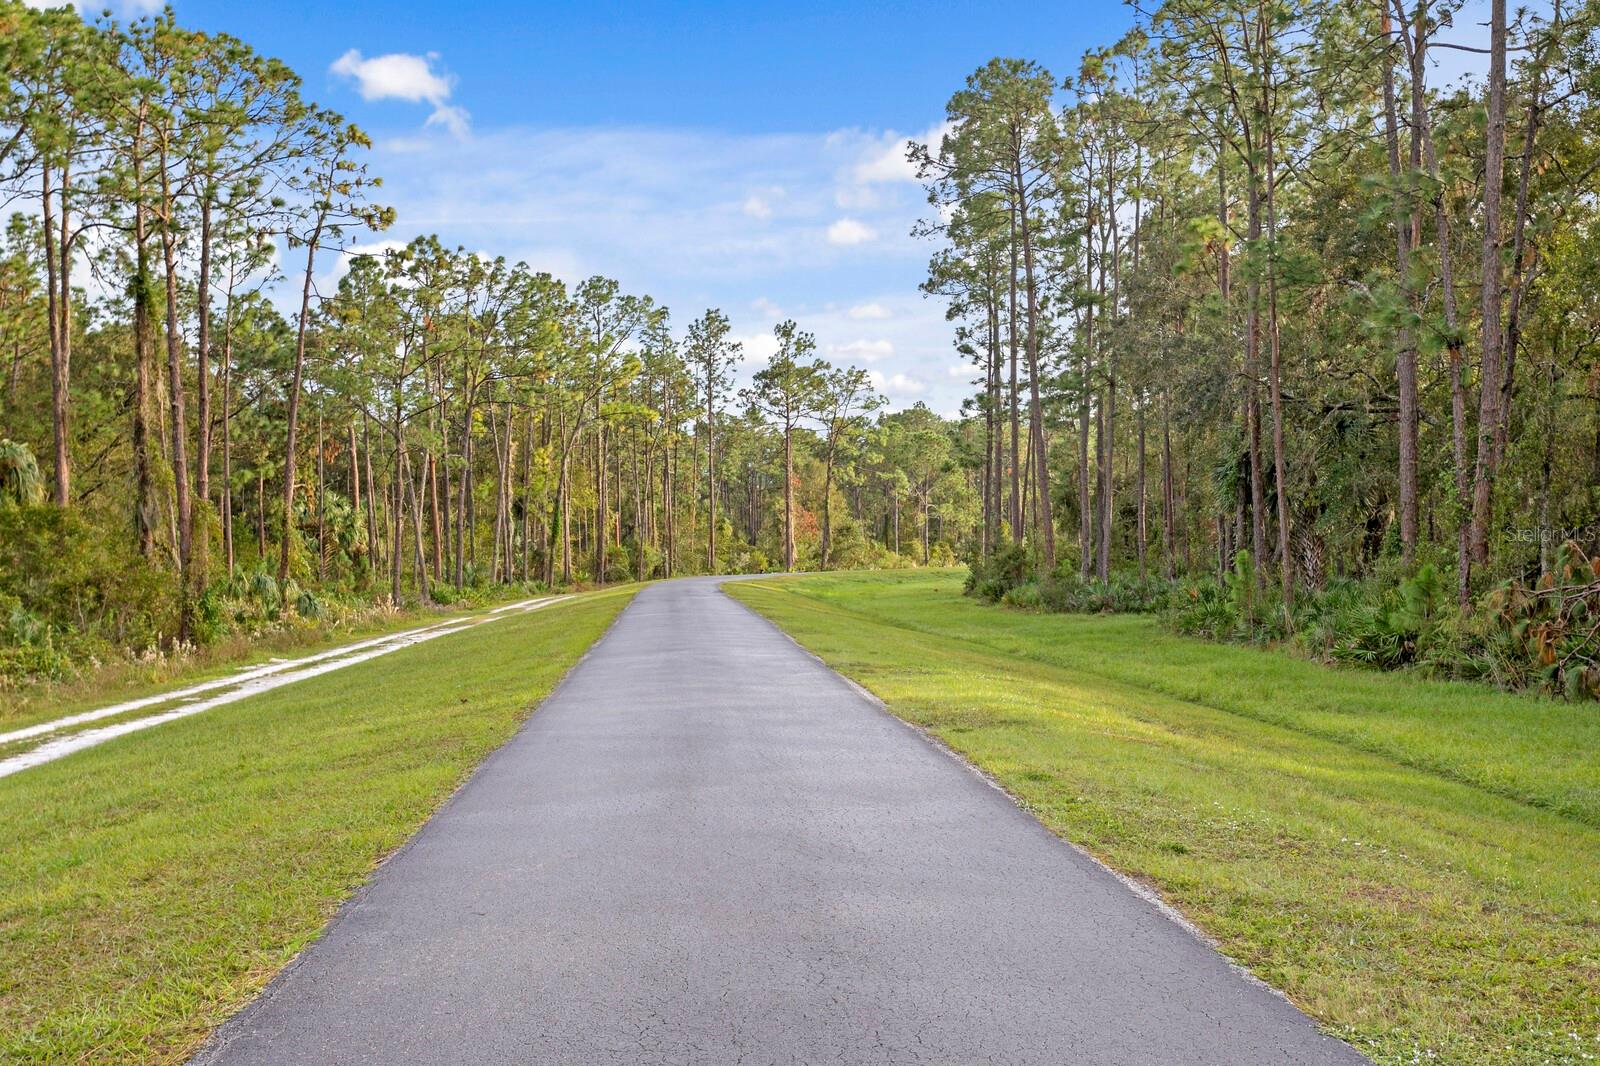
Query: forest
1281	332
1274	328
201	434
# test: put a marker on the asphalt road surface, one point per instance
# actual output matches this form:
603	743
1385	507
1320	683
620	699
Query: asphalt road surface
708	848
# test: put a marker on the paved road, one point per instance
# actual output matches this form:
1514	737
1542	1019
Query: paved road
707	848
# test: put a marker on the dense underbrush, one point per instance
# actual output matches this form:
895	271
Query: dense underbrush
1542	635
76	599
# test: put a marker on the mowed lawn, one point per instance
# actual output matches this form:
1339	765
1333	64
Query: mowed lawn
152	885
1416	864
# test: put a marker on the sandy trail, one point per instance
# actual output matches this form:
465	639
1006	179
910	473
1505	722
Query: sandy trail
241	685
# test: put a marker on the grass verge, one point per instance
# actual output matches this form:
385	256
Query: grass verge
1420	877
27	702
151	886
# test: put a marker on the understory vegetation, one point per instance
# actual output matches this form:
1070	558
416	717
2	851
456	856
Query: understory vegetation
1410	860
1544	637
1281	334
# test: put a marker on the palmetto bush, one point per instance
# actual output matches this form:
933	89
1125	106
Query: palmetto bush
21	484
1544	635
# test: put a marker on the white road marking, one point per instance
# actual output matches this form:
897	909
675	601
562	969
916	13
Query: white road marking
239	686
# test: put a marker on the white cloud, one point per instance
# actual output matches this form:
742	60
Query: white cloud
453	118
896	385
327	283
659	210
962	371
888	163
756	207
757	347
864	350
870	312
848	231
857	197
401	76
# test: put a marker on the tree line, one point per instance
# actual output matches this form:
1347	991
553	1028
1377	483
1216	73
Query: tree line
1255	290
211	419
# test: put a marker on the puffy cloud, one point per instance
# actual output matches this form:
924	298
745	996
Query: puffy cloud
401	76
888	162
757	347
872	311
896	385
848	231
455	119
659	210
756	207
864	350
374	250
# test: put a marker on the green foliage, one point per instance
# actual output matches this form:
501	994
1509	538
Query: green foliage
1122	594
1556	623
1542	637
75	591
307	605
1007	567
21	484
1027	596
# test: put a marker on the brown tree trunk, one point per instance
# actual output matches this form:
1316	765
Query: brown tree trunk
1143	529
227	441
1015	406
144	518
322	500
1406	353
293	416
711	480
1035	407
1520	269
202	360
1416	55
1168	518
58	270
788	496
1275	360
601	516
1490	326
175	398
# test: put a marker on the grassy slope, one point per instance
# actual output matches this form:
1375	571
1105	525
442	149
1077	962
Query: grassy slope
1351	838
126	679
152	885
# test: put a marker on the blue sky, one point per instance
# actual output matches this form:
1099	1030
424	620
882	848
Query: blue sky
744	156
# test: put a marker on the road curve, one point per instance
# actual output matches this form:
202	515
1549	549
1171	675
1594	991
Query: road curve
708	848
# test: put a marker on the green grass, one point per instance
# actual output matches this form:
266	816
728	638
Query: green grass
1416	864
25	703
151	886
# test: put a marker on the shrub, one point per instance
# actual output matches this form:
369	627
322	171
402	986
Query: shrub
991	578
1555	623
1120	594
1027	596
21	484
